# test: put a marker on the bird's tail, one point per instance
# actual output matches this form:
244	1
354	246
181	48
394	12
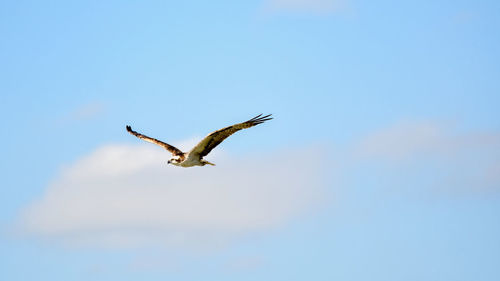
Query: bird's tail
206	162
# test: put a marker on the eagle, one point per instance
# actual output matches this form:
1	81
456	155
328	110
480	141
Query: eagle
195	156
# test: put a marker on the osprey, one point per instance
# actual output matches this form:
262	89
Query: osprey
195	156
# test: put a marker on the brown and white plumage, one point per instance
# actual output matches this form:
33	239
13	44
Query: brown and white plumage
195	156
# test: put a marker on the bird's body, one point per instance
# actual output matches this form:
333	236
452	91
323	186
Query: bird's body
191	160
195	156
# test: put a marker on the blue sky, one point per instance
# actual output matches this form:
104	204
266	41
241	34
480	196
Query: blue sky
386	117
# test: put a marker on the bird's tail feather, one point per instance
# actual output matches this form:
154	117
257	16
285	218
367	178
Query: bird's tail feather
206	162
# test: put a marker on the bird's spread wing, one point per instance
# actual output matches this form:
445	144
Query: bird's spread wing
174	150
212	140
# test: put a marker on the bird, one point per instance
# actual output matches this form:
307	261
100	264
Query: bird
195	156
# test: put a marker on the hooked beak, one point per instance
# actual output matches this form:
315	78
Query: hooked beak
168	162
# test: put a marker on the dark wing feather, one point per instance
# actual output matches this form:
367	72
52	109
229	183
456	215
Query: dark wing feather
212	140
174	150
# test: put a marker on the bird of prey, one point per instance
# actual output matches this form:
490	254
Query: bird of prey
195	156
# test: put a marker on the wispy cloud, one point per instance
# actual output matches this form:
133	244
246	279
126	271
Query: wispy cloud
122	195
305	6
404	141
424	150
246	263
84	112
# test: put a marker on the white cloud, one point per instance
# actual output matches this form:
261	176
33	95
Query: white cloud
122	195
428	150
313	6
403	141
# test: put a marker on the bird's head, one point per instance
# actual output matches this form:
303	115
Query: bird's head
174	161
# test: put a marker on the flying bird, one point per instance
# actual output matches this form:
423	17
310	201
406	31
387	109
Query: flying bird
195	156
